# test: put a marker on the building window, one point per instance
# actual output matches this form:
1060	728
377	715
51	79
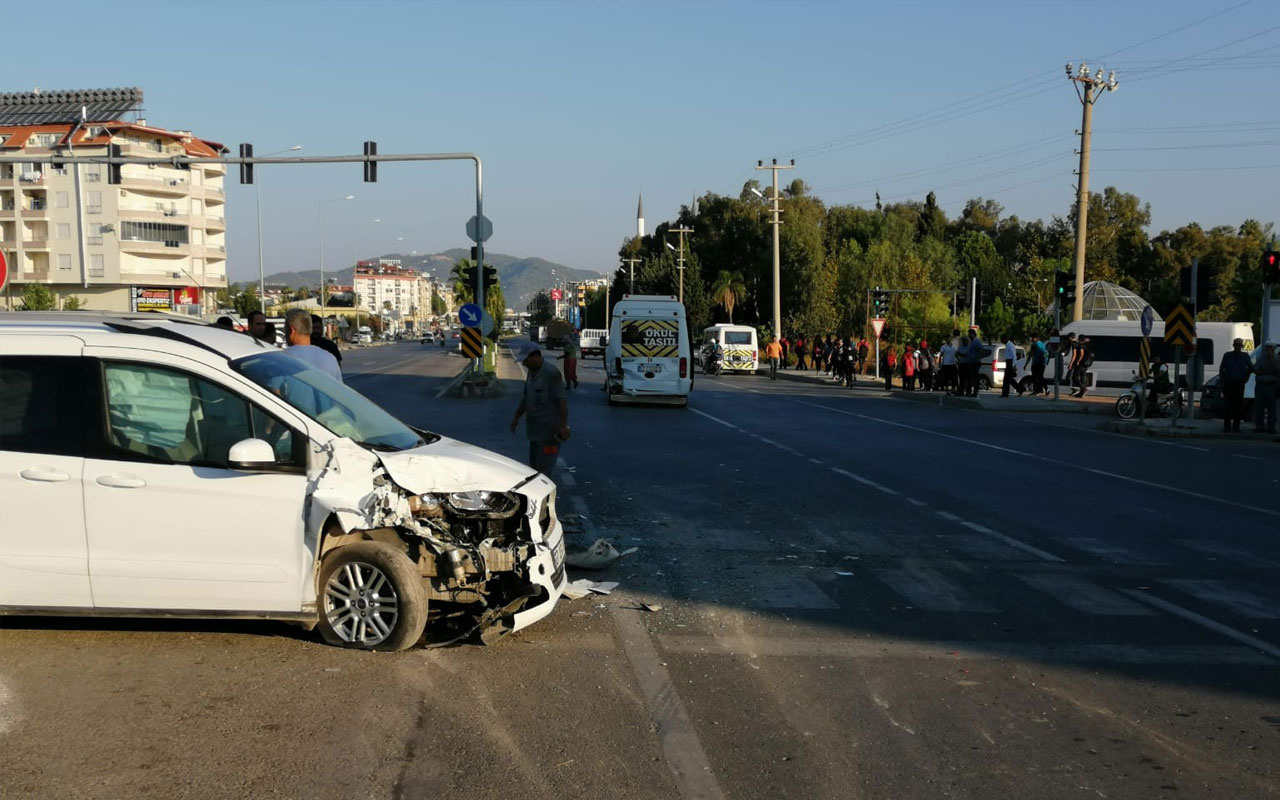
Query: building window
164	233
64	230
60	200
93	173
64	262
94	204
95	266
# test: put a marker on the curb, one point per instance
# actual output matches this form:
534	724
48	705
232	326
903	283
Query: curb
455	381
946	400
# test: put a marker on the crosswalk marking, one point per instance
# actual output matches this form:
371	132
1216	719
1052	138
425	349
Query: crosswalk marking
925	589
1111	552
1226	551
1224	595
1085	596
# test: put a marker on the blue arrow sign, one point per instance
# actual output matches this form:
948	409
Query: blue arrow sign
1148	317
470	315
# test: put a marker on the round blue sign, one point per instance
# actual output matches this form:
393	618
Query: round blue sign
470	315
1148	317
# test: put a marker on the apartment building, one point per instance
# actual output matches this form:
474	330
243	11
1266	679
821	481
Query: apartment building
382	286
154	241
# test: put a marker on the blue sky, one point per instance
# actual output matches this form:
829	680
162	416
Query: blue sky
577	106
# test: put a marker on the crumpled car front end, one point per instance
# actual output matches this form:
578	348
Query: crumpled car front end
481	530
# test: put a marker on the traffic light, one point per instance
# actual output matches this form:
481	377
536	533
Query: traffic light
467	275
879	302
1064	289
246	170
1204	284
113	170
490	277
1271	267
370	167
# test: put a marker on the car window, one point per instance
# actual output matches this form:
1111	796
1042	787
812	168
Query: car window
737	337
40	405
172	416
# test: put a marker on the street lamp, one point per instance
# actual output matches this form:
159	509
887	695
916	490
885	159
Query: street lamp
262	278
320	215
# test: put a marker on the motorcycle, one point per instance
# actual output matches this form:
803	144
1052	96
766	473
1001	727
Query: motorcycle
1168	404
712	362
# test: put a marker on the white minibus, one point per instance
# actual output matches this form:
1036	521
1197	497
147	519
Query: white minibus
648	358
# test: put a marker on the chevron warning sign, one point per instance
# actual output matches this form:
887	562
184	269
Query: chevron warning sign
472	343
1180	327
650	338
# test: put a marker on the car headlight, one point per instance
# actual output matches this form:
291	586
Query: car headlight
491	505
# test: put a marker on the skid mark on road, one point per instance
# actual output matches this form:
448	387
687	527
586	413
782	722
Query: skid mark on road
1037	457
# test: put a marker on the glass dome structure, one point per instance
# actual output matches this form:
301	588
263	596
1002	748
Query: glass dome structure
1103	300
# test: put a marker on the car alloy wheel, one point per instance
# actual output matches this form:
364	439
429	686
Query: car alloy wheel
360	604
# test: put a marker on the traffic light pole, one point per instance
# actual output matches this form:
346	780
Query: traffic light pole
1057	372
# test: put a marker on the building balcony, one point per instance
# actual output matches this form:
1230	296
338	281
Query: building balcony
170	186
159	215
35	211
215	222
35	244
171	248
8	213
215	191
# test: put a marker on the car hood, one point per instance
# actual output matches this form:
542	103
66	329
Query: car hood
448	465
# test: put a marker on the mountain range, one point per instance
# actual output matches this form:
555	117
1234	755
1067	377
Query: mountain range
521	278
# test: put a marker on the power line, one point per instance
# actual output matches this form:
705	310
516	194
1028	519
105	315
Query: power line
1223	146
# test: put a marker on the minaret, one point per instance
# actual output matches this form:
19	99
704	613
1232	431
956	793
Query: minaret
640	217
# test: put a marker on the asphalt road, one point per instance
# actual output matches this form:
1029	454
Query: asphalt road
857	597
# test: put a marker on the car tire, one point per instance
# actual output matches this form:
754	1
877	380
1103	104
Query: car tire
371	597
984	383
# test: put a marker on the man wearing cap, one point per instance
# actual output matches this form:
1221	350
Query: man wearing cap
1266	378
546	405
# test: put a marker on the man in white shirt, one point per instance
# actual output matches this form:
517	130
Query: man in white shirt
948	357
298	327
1010	368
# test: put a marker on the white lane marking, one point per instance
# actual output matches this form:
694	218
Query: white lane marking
1222	594
917	503
1204	622
566	477
815	461
1085	596
716	420
1251	458
865	481
925	589
1116	476
9	715
1012	542
679	741
1112	552
948	515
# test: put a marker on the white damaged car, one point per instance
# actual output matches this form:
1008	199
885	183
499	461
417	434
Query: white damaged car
154	467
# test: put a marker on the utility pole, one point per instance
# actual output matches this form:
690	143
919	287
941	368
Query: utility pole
1088	88
680	257
777	248
632	263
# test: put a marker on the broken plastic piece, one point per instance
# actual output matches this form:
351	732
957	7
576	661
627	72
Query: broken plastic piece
597	556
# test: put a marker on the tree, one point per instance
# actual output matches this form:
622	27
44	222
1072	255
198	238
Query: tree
73	303
246	301
727	290
38	297
438	306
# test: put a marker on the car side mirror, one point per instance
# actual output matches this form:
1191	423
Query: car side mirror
251	454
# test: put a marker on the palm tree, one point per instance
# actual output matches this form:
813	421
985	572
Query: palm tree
727	289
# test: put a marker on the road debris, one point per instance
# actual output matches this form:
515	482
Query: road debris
584	586
598	556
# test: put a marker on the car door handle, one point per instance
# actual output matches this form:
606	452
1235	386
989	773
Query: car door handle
120	481
42	474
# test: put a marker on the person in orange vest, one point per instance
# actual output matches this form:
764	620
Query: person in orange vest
773	352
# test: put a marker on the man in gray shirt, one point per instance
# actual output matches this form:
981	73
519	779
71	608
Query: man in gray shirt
546	405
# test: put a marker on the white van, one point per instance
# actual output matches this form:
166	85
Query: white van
1115	349
738	342
648	358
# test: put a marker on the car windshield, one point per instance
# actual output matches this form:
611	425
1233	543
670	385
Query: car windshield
331	403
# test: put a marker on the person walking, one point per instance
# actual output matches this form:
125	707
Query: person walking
818	354
863	350
848	361
801	351
888	362
773	352
1010	368
545	406
925	370
962	371
1234	371
786	352
1266	380
1037	358
909	369
572	352
973	362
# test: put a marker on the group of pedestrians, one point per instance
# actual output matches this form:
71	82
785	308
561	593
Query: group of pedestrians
304	338
1234	371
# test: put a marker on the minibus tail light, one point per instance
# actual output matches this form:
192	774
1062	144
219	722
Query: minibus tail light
684	367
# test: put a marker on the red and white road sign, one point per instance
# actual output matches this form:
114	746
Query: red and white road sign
4	270
556	294
1053	344
877	325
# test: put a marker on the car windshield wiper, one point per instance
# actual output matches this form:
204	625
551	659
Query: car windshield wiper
381	447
